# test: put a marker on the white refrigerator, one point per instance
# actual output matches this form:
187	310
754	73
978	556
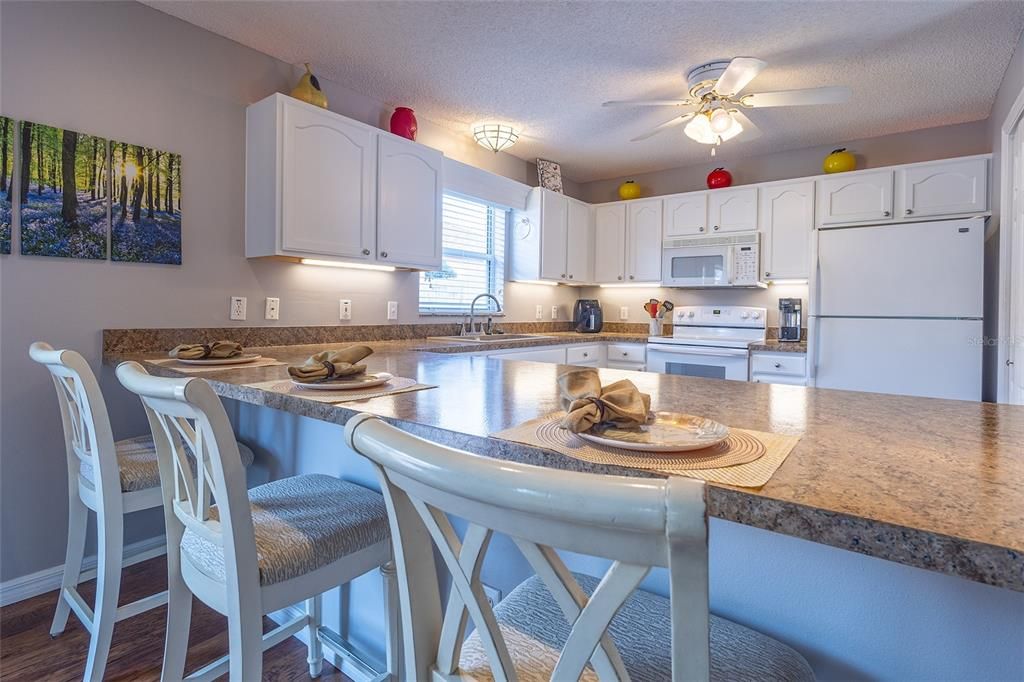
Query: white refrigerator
899	309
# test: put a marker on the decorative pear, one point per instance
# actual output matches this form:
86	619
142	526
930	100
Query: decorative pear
308	90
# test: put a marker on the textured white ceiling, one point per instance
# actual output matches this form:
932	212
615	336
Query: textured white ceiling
547	66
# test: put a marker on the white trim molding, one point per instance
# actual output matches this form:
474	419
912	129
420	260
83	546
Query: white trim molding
49	579
1006	243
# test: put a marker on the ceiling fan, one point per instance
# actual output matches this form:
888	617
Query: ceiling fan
718	107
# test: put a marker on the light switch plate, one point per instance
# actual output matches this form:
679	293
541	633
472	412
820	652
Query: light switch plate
540	312
237	311
624	312
345	309
554	312
273	311
392	310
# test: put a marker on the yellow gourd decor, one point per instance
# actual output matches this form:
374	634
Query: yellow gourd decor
629	190
839	161
308	90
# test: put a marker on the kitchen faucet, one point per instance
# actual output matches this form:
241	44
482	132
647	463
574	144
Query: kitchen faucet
472	313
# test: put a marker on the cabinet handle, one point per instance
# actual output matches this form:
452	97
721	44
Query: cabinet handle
716	228
383	254
886	213
700	229
909	211
366	252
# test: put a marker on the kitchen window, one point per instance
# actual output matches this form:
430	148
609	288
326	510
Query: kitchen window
472	259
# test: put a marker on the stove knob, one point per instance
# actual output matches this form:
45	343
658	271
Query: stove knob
756	315
689	313
743	316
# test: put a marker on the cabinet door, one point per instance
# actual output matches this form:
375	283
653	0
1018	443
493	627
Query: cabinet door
859	198
733	210
685	215
787	222
946	188
409	187
327	184
548	354
643	241
554	227
579	244
609	243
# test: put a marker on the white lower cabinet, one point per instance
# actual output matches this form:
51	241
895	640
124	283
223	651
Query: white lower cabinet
613	355
590	355
767	367
627	356
555	354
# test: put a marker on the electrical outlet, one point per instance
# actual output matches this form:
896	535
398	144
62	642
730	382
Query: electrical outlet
273	309
392	310
237	307
493	595
554	312
345	309
540	312
624	312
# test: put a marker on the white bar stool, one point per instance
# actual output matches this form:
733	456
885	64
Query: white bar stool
248	553
112	478
555	625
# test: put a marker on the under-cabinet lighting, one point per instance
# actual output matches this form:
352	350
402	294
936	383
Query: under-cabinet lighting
788	281
535	281
355	266
633	285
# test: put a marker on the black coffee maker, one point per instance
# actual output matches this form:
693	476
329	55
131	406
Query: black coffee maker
587	316
790	319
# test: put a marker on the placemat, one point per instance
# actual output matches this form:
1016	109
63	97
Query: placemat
171	363
747	458
396	385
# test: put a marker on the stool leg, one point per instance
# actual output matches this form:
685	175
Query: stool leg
78	519
179	618
392	620
109	533
315	648
245	644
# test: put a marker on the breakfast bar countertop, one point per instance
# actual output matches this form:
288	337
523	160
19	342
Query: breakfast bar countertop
935	484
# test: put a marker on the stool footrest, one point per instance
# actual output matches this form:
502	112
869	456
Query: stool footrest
358	662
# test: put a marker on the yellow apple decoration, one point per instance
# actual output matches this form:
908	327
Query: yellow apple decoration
629	190
839	161
308	90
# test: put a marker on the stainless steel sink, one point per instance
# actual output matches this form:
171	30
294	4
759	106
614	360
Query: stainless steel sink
492	338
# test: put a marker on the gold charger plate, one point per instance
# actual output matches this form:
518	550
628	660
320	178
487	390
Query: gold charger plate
669	432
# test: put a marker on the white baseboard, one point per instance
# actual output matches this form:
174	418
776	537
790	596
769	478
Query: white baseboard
49	579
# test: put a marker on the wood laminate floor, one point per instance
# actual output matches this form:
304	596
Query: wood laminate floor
28	653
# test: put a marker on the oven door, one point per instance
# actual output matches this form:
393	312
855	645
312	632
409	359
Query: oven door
697	266
698	361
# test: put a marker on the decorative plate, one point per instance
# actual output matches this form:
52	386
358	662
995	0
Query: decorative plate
237	360
669	432
359	381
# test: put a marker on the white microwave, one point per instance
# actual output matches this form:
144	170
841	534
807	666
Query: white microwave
706	262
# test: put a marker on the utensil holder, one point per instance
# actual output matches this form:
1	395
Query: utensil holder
655	328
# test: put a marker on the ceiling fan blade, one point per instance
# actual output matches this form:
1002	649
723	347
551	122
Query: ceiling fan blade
650	103
836	94
738	75
678	120
750	131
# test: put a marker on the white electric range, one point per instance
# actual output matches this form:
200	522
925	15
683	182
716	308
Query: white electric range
708	341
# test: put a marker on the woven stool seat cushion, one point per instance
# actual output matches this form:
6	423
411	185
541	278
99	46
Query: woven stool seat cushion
302	523
535	629
136	458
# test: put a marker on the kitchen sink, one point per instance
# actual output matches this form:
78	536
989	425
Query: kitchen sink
492	338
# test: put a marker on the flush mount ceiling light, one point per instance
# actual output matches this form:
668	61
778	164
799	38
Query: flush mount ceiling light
495	136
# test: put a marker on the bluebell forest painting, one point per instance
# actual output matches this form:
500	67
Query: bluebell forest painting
6	181
145	205
63	202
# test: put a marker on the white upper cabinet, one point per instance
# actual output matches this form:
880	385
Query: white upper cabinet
943	188
554	230
579	257
787	223
732	210
685	215
409	183
643	241
861	197
610	243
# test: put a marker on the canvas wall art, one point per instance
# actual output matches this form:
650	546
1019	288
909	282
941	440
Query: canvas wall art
549	174
62	203
7	132
145	204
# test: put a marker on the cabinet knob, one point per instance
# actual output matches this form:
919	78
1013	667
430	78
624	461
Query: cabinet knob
886	213
700	229
383	254
586	355
570	276
625	353
909	211
563	275
632	277
767	274
778	365
620	276
366	252
716	228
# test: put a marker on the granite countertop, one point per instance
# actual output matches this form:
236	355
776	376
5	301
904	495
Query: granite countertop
776	346
936	484
546	339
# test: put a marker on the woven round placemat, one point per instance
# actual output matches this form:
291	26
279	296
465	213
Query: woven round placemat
739	448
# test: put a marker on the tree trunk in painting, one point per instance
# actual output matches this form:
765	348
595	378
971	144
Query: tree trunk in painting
26	156
92	172
68	182
156	178
40	176
149	183
102	178
169	189
3	156
124	185
140	181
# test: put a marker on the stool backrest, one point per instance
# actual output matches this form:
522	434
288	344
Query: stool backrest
88	437
186	415
637	523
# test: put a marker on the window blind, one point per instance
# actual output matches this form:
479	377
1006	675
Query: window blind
473	258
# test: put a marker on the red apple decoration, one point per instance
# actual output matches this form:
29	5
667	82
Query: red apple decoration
719	178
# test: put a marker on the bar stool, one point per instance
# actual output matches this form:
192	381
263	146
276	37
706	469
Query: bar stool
112	478
556	625
248	553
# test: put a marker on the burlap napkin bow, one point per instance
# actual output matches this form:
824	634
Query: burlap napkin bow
331	364
201	351
587	403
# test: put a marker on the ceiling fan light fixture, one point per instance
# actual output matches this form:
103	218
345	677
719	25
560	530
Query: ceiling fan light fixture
495	136
700	129
721	121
